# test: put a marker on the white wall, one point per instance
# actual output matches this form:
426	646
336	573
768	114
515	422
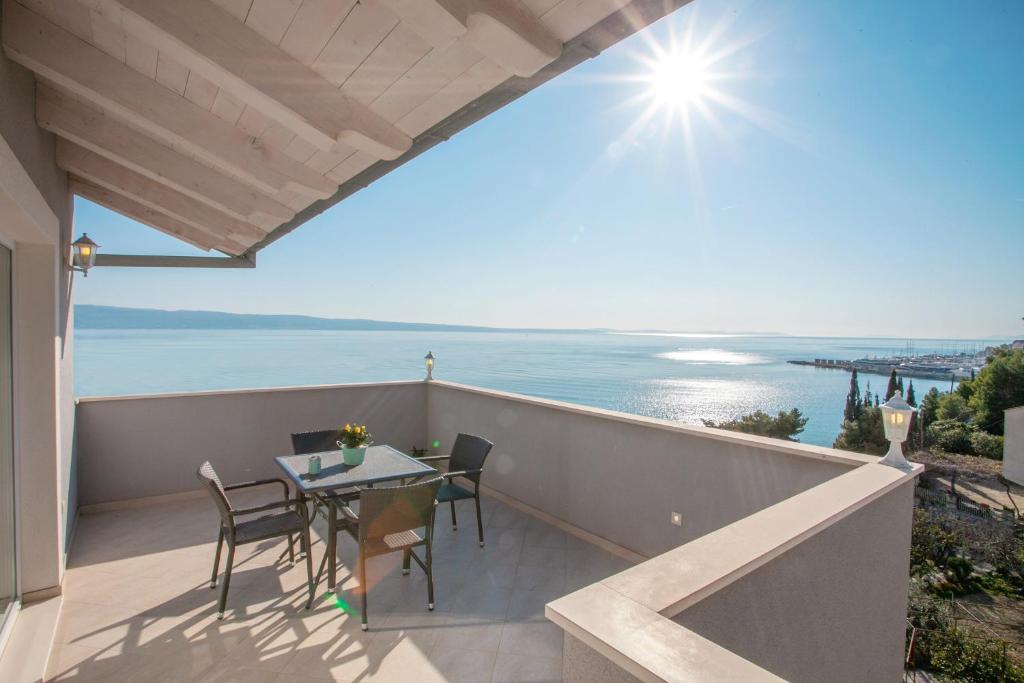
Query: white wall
1013	445
35	222
133	447
621	476
832	608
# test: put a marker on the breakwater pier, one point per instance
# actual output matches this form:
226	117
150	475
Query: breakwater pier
952	367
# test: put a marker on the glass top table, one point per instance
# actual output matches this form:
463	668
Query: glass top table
382	463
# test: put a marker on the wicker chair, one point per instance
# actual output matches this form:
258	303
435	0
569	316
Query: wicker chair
387	522
291	520
315	442
466	461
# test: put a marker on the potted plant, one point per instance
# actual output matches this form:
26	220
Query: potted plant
353	443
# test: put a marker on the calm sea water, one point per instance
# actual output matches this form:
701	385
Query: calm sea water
684	378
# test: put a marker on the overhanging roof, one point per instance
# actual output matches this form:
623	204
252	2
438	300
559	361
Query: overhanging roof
229	123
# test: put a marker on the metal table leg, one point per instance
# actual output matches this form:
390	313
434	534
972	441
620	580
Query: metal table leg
332	546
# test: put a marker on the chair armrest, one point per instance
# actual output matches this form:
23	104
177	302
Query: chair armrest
434	457
348	513
460	473
259	482
288	502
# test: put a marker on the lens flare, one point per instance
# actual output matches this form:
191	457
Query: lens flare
679	81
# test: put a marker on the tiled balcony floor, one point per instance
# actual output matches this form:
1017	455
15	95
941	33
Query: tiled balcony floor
138	607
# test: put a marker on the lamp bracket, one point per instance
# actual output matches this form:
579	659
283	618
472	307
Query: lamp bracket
247	260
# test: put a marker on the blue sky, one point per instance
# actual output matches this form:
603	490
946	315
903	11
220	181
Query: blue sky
870	183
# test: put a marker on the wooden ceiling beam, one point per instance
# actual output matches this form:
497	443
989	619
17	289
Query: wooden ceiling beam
502	30
214	44
128	207
89	127
108	174
74	64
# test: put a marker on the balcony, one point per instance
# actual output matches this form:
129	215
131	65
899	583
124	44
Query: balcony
790	561
137	604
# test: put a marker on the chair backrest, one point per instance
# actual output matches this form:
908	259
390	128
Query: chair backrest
315	442
211	481
469	453
384	511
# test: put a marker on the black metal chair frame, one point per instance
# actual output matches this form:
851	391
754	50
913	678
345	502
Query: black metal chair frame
467	458
388	513
229	526
320	441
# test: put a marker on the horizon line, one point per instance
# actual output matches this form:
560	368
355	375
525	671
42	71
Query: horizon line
491	328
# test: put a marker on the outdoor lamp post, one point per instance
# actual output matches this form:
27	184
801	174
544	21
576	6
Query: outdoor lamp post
428	360
83	254
896	414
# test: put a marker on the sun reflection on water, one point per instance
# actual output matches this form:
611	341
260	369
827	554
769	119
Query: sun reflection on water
714	356
693	400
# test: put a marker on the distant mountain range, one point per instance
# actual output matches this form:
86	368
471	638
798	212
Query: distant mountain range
89	317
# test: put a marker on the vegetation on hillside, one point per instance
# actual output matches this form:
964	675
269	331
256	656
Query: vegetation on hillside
967	420
782	426
952	556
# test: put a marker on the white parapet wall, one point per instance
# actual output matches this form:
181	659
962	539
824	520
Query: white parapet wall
621	476
133	447
1013	445
789	561
811	589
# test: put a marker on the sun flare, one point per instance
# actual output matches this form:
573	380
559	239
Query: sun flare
679	80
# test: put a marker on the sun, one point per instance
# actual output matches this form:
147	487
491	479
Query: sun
679	80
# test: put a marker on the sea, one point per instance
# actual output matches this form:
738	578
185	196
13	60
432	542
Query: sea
682	377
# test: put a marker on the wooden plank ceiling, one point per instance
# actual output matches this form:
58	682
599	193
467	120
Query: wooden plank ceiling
217	121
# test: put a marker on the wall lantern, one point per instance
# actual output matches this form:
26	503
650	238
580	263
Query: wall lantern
83	254
428	360
896	414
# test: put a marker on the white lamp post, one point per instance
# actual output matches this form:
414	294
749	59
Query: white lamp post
896	414
428	360
83	254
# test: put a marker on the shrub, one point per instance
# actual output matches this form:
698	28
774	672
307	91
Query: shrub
964	655
925	610
931	543
951	435
987	445
959	570
863	435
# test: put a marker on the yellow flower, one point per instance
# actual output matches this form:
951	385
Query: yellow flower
348	428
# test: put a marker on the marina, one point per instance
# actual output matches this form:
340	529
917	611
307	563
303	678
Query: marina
937	366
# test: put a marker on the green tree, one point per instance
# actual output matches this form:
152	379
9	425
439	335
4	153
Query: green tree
864	435
930	406
911	398
953	406
893	386
853	404
999	385
782	426
966	388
